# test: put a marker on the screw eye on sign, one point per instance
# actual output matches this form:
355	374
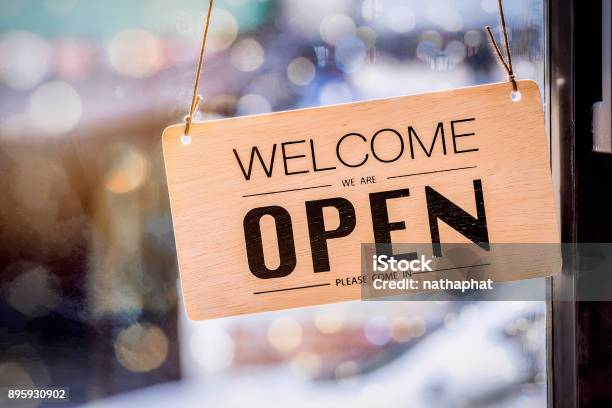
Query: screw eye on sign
270	211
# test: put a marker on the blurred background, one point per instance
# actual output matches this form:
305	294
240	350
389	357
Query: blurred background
89	297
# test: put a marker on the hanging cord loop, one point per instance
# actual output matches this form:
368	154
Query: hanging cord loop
196	98
507	65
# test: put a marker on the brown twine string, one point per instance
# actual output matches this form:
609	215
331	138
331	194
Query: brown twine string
507	65
196	98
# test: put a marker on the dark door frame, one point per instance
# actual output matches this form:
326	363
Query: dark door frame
580	360
560	112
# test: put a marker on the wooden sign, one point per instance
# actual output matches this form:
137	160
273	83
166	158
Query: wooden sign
270	211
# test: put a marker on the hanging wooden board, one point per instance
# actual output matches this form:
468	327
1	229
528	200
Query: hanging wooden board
270	211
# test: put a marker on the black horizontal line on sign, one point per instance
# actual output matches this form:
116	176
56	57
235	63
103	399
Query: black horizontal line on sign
296	288
431	172
285	191
452	269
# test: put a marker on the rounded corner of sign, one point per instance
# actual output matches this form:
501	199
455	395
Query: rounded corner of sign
528	83
194	314
172	131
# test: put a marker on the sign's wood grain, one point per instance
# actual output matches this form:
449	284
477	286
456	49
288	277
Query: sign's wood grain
269	211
